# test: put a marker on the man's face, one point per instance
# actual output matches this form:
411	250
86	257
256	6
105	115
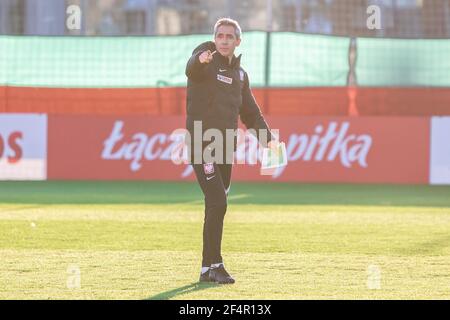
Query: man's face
226	41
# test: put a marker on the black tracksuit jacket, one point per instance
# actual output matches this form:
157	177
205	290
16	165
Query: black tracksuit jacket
218	93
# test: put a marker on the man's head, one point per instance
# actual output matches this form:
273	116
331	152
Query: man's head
227	36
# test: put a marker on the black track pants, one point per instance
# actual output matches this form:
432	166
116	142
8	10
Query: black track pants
214	180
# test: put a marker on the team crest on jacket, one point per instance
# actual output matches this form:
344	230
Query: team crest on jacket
224	79
208	168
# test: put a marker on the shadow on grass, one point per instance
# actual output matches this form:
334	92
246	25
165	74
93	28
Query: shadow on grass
197	286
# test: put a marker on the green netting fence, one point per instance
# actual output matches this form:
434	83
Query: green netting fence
274	60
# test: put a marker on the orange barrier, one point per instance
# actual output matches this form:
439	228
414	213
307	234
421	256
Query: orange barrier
3	99
403	101
335	101
150	101
305	101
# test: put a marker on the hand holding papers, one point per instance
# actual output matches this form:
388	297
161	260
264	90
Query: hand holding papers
273	157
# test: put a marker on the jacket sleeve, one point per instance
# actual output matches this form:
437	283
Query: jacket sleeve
251	115
194	69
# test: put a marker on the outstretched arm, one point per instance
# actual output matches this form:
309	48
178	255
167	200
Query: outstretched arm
197	63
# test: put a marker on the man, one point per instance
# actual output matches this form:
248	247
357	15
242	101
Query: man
218	92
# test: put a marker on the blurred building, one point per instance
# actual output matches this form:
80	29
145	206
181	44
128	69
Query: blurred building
400	18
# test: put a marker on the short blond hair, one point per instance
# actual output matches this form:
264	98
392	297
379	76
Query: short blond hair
228	22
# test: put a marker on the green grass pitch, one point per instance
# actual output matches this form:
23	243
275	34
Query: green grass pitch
142	240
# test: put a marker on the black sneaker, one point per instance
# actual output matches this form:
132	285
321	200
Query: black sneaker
220	275
204	277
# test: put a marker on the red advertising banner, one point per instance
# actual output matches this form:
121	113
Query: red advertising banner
320	149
